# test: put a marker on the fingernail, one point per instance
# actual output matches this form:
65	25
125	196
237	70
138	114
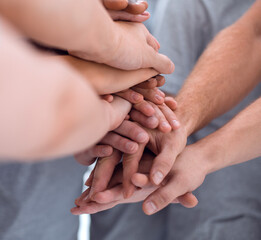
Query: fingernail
136	97
151	80
161	93
150	207
158	177
159	98
176	123
145	13
153	121
130	146
172	66
159	77
142	137
105	151
165	125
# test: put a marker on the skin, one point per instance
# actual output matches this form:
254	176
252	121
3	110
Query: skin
200	102
125	138
106	79
136	7
160	144
236	142
133	7
130	45
114	195
129	134
70	108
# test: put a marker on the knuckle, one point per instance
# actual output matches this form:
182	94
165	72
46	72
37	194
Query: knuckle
184	180
162	199
129	160
165	166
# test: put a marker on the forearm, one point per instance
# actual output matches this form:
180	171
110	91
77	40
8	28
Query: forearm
50	118
236	142
71	25
225	73
47	109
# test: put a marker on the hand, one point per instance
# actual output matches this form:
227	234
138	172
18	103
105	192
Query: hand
166	146
133	48
149	108
164	118
106	79
117	110
124	138
186	175
122	10
133	7
126	16
114	195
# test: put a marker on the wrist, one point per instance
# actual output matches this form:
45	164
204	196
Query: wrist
212	153
187	120
95	41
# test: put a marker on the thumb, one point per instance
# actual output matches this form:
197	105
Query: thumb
118	110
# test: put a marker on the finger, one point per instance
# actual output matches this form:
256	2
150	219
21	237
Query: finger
92	208
149	84
125	16
103	172
148	122
88	182
117	176
118	110
140	180
170	116
153	95
115	4
120	143
152	41
160	80
136	6
188	200
89	156
111	195
131	96
159	62
83	198
107	97
130	163
145	108
164	125
132	131
171	103
146	163
162	165
163	196
164	161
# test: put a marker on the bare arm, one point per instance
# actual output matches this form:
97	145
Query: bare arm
47	109
226	72
86	30
65	24
238	141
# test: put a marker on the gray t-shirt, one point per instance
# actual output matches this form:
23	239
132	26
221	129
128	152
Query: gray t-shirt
229	200
35	200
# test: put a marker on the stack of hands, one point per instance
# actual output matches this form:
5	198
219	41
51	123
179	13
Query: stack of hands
136	161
